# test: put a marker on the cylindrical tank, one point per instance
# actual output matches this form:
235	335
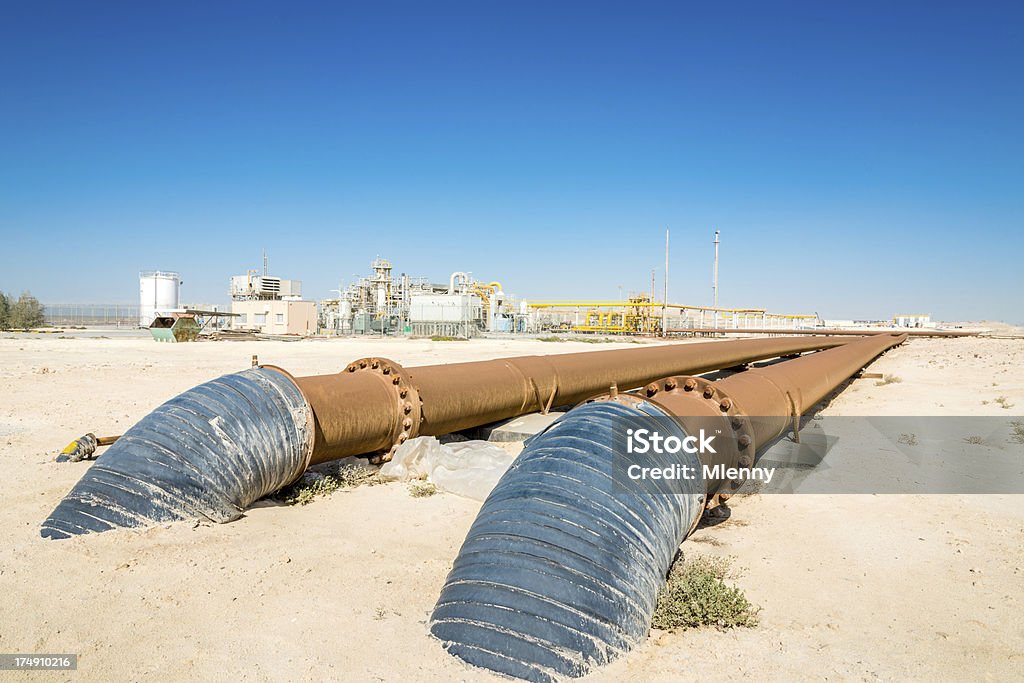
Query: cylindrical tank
159	293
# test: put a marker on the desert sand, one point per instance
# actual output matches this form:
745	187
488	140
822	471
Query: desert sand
851	587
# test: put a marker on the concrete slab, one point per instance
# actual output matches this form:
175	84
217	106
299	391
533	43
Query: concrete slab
518	428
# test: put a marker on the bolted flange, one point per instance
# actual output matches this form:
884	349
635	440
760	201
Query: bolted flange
716	403
408	408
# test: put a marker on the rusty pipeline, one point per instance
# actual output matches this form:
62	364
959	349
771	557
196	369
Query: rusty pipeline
215	449
761	404
375	404
561	569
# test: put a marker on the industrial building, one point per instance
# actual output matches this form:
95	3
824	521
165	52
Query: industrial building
271	305
390	304
467	308
382	303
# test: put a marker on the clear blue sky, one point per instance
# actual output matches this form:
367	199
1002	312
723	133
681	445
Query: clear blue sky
860	158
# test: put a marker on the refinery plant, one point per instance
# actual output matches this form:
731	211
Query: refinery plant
382	303
388	304
396	304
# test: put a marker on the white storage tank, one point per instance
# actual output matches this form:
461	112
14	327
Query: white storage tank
159	293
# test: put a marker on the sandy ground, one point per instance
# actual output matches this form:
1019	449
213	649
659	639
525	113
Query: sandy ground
852	587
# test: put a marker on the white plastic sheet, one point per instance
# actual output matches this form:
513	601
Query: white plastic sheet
466	468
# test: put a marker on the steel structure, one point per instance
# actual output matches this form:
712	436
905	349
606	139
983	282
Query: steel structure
640	314
383	303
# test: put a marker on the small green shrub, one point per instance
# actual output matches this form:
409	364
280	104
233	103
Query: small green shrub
313	485
421	489
974	440
304	495
352	476
696	595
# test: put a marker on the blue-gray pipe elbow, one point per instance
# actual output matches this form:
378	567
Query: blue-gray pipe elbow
561	570
206	454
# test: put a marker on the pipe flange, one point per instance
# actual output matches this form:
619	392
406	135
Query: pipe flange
408	408
742	442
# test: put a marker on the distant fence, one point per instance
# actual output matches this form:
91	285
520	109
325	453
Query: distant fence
118	315
445	329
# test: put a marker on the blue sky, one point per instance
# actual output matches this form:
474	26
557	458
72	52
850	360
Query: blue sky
861	159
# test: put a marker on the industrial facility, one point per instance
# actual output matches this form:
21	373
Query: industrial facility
382	303
387	303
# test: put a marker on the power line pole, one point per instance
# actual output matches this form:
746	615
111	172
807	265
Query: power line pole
714	280
664	303
649	312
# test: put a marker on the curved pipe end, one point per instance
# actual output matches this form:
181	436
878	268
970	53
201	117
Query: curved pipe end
561	569
208	453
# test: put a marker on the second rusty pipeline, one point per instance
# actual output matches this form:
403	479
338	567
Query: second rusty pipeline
212	451
761	404
561	570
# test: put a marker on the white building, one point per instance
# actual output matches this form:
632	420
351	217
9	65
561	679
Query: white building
912	320
270	305
275	316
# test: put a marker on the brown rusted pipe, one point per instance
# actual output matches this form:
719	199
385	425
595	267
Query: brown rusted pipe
759	405
375	404
215	449
561	570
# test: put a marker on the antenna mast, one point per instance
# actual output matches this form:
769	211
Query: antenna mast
664	303
714	277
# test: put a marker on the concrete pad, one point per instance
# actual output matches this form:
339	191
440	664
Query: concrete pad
518	428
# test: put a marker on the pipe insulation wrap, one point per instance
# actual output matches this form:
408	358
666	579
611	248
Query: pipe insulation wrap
561	570
207	453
